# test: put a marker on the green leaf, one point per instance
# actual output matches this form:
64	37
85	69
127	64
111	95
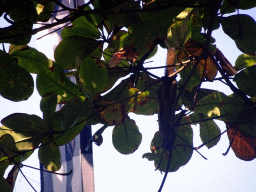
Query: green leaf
53	79
7	146
48	107
145	103
126	137
29	58
69	48
230	6
49	155
244	61
212	104
217	104
70	112
209	130
113	114
181	152
4	187
23	11
24	14
182	29
241	28
160	21
3	166
206	20
16	83
150	156
194	80
48	8
120	92
123	19
61	136
27	125
246	80
188	97
85	26
93	77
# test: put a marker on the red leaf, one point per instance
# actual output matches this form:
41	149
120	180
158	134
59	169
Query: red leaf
127	52
243	145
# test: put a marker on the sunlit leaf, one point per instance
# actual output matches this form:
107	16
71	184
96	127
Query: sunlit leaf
126	137
208	131
183	29
16	83
29	58
244	61
212	104
49	155
27	125
46	12
113	114
144	103
93	77
54	79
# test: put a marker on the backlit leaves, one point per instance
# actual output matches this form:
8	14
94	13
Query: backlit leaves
93	77
27	125
112	114
49	156
181	150
53	79
242	144
126	137
16	83
246	80
244	61
241	28
144	103
144	27
72	46
29	58
209	132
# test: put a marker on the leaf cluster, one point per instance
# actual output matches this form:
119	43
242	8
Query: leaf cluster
103	86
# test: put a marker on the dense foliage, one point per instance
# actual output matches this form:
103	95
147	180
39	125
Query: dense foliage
131	31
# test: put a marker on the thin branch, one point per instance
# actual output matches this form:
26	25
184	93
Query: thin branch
65	174
239	92
61	5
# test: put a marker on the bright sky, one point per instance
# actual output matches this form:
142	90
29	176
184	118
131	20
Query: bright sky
116	172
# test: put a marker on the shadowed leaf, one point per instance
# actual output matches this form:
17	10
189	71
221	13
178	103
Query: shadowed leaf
126	137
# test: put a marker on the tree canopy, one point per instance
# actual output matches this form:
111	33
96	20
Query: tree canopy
104	47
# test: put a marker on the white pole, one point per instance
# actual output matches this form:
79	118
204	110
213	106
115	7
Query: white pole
74	156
